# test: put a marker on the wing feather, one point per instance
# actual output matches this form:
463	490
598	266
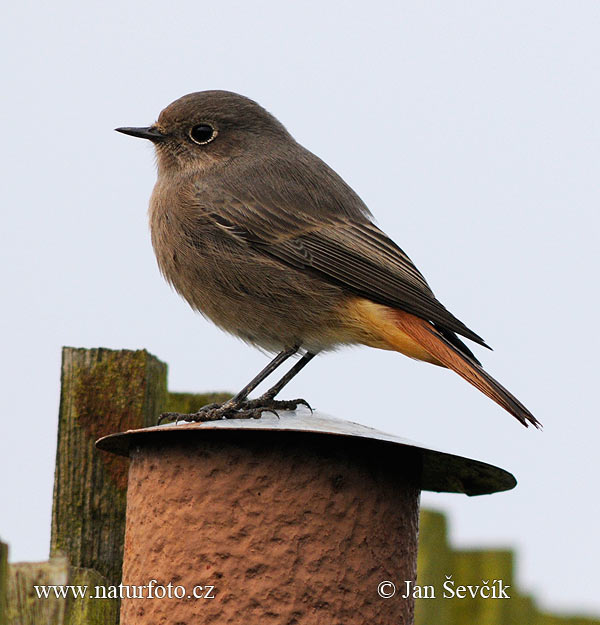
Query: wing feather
317	223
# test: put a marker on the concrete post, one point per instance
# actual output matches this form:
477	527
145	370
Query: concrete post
291	520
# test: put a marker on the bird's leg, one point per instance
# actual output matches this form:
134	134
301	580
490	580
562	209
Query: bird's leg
233	407
267	399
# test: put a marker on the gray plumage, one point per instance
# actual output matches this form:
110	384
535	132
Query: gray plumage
266	240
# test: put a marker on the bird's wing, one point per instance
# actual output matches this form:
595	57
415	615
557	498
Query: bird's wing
348	251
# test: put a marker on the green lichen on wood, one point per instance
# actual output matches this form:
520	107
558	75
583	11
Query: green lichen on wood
477	567
25	607
434	561
548	619
437	559
102	391
91	611
113	390
3	581
521	608
188	403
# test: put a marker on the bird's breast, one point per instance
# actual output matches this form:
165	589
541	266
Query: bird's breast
242	290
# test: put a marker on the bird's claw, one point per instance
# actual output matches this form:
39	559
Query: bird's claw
248	409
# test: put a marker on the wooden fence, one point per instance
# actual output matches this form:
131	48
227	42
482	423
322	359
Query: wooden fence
105	391
437	560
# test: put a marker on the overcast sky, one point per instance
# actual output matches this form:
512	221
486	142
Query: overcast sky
471	131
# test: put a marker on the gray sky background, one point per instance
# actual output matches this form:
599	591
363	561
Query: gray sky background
471	131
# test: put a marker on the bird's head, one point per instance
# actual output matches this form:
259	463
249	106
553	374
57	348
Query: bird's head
206	129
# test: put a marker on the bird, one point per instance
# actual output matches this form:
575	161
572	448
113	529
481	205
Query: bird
267	241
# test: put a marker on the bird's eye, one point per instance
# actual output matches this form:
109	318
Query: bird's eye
202	133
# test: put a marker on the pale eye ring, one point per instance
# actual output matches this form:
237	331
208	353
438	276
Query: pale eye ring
202	133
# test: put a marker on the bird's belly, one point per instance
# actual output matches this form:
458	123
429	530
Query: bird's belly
375	325
258	299
265	302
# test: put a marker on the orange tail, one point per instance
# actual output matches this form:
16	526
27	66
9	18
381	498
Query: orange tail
441	349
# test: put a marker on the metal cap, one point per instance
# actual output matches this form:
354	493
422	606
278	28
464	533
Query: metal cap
441	472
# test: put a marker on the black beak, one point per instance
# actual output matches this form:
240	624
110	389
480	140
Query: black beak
151	133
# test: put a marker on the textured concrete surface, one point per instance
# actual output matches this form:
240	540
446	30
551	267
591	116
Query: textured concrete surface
296	528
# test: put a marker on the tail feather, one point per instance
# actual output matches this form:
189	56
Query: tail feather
433	341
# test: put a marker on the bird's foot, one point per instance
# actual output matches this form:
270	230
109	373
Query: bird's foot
265	403
247	409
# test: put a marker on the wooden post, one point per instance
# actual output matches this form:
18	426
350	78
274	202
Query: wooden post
102	391
3	581
187	403
435	561
475	567
25	607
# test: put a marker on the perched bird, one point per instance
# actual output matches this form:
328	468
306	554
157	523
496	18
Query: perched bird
267	241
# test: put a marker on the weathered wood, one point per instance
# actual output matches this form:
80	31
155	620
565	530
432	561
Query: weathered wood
3	581
102	391
434	562
522	609
26	607
480	567
548	619
186	403
90	611
437	559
